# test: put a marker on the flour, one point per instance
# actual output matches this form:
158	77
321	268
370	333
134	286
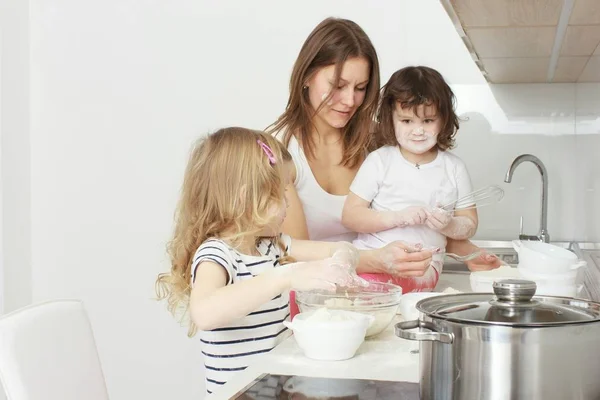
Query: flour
338	302
325	315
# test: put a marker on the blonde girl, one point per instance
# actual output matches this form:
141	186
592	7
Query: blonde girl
228	255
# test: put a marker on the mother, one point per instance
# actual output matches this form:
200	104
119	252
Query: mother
328	126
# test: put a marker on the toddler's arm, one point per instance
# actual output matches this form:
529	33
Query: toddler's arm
358	216
462	225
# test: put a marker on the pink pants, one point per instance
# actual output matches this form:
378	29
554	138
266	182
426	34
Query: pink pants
425	283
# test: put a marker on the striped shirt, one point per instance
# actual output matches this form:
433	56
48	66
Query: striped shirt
232	348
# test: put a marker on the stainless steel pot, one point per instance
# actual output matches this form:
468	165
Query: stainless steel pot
508	346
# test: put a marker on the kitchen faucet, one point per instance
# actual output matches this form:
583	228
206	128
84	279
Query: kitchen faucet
543	234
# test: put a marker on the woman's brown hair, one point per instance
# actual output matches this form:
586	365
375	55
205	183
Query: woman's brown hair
332	42
412	87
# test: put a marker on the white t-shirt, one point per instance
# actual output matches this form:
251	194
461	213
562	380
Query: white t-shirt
323	211
391	183
232	348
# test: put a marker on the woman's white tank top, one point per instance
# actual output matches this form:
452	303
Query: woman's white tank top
323	211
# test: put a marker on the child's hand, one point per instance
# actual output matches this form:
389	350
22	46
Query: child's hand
484	262
324	274
438	218
415	215
346	255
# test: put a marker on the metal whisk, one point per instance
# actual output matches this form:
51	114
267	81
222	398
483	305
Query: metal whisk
478	198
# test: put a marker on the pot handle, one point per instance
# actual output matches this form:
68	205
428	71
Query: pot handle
402	330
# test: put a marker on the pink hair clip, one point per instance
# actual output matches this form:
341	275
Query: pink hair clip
267	151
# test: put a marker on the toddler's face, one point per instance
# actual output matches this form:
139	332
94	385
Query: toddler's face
418	132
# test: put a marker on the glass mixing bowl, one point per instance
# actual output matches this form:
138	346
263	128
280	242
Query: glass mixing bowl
381	300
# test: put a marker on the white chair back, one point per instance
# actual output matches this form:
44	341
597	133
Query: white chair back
48	352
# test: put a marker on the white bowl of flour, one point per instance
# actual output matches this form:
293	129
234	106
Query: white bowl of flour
330	335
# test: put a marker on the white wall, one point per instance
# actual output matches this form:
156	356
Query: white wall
559	123
15	149
15	209
118	90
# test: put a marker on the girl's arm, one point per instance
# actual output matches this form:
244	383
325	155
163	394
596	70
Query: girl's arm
214	304
358	216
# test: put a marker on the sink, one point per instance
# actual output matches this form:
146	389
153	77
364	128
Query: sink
455	274
503	249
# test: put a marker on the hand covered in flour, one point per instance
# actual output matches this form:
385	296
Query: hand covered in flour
414	215
323	274
346	256
438	218
403	259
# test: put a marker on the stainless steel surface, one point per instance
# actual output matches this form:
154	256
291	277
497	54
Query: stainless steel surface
591	254
543	232
513	290
487	309
402	330
496	362
504	250
468	257
588	251
487	362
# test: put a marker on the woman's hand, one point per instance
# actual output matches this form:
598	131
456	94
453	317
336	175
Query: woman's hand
400	259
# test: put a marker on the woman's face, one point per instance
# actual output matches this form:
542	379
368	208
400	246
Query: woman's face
339	103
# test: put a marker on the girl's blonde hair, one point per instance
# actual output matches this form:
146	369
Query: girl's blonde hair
229	185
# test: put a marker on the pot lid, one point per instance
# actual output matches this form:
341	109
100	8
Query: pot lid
513	303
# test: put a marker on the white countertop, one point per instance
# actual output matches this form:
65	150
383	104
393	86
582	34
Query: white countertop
385	357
